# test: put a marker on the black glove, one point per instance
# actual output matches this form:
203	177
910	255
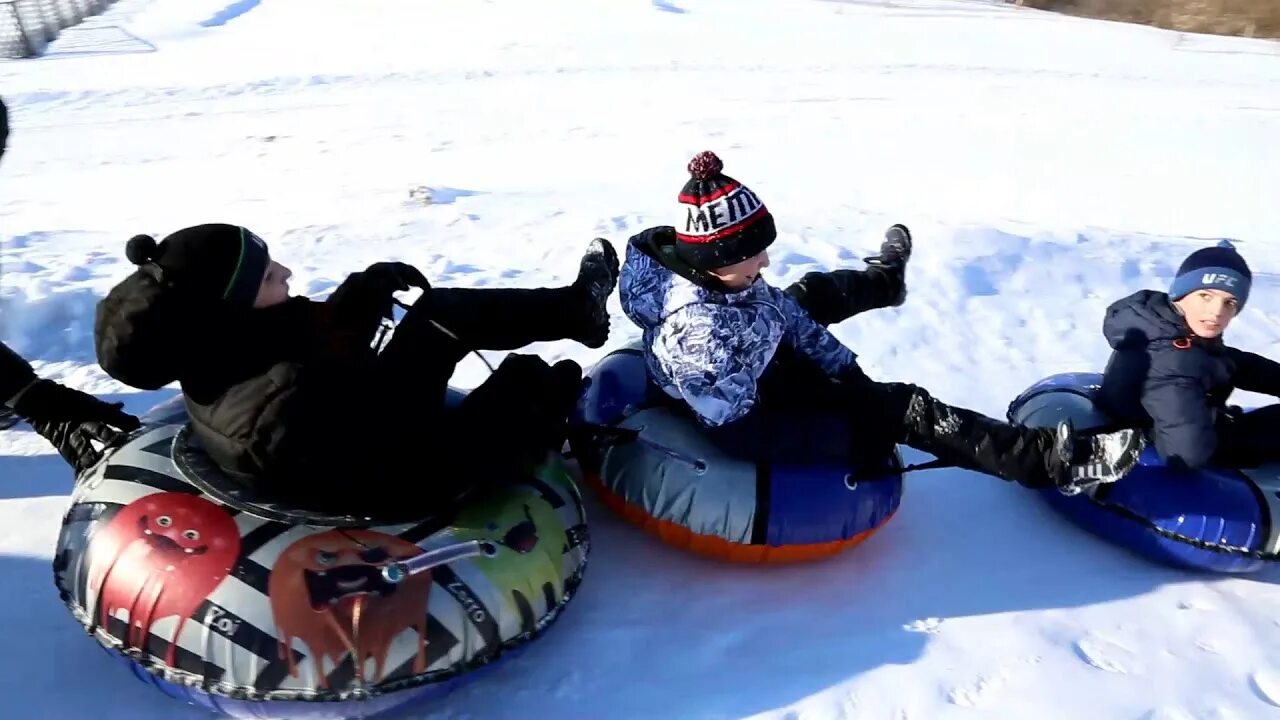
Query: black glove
70	419
525	404
527	392
393	277
73	440
365	298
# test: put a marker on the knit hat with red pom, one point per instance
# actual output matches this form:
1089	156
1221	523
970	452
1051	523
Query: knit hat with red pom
721	221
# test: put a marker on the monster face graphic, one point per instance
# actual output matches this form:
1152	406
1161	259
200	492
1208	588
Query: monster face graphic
162	555
529	564
327	590
523	536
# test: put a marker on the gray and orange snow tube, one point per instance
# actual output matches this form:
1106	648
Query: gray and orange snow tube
671	481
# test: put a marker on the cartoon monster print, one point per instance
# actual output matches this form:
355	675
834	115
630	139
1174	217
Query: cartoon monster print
327	590
162	555
531	540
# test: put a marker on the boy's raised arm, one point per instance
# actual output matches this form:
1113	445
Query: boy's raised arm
1255	373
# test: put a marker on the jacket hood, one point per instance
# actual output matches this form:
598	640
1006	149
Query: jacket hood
655	283
1143	318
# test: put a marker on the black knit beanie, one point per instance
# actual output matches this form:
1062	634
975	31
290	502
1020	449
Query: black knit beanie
214	261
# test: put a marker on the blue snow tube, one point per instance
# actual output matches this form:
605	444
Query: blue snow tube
1212	519
672	482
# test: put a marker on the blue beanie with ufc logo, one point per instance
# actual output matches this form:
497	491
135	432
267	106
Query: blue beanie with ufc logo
1214	268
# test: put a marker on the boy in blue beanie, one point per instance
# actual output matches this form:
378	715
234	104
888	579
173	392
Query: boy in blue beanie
1171	371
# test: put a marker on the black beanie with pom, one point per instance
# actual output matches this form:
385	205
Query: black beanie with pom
721	222
145	329
213	261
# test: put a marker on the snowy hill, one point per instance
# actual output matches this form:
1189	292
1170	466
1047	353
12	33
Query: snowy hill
1047	166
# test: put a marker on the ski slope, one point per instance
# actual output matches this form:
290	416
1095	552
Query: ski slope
1047	166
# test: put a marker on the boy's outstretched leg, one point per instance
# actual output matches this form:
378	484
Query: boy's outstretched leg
507	319
456	321
447	323
1033	457
831	297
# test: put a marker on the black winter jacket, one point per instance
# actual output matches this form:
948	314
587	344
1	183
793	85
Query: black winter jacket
276	394
285	399
1163	377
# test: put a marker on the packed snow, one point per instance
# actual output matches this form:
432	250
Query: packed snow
1047	166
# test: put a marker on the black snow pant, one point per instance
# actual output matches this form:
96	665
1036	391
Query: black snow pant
1249	439
802	413
511	419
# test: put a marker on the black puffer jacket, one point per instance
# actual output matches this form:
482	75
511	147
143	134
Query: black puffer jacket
1164	377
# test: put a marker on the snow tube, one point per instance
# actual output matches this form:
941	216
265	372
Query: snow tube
1212	519
255	610
673	483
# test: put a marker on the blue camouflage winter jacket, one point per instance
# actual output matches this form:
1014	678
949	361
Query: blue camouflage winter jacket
1163	377
710	348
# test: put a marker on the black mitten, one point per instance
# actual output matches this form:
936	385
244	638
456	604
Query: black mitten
365	298
522	409
47	401
70	420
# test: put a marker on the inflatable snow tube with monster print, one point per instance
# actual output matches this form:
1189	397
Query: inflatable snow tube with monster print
255	610
1212	519
669	480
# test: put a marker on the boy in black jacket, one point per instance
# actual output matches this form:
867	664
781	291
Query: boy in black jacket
289	397
1171	371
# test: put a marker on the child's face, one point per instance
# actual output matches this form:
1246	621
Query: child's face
1208	312
275	286
739	276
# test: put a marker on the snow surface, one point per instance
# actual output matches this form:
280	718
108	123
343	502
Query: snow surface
1047	165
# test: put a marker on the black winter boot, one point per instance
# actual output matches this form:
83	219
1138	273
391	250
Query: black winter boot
895	251
836	296
455	321
1085	462
597	277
